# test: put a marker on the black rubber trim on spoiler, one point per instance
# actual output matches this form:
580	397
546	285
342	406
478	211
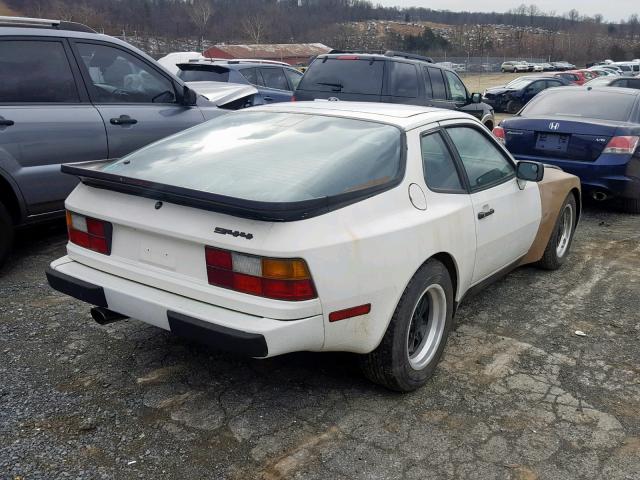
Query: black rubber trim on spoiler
251	209
85	291
217	336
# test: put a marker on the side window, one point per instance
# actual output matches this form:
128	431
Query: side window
553	83
427	83
119	77
35	72
294	77
274	78
456	88
635	83
437	83
536	87
484	163
251	75
439	168
620	83
403	80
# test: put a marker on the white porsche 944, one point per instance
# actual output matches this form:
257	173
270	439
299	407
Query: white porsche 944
315	226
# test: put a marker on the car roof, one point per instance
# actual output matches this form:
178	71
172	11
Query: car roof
405	117
603	89
231	65
60	33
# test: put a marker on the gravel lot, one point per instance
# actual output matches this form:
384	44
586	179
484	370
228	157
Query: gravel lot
518	395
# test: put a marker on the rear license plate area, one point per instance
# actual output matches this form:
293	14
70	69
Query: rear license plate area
552	142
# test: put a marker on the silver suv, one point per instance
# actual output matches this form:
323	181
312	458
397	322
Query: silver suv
68	94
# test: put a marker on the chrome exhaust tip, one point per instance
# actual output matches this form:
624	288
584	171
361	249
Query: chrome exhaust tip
599	196
104	316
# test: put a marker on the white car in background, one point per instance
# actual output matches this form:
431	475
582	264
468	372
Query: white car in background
320	226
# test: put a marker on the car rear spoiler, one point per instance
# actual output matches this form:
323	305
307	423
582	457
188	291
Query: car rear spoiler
91	175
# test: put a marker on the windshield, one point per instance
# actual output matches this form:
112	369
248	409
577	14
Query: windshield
271	157
604	105
518	83
344	76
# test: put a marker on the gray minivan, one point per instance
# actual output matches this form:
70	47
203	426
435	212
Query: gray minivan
68	94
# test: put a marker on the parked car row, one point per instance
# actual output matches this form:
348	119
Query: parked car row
260	232
514	66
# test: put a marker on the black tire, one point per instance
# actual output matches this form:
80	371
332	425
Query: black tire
552	260
513	107
6	234
389	364
631	205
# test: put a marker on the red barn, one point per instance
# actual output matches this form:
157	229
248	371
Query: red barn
291	53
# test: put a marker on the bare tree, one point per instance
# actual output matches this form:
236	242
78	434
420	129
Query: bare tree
200	13
254	26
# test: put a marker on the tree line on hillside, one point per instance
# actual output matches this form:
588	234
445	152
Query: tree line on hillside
284	21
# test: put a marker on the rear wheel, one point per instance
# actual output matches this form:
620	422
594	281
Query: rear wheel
513	107
6	233
631	205
417	334
560	242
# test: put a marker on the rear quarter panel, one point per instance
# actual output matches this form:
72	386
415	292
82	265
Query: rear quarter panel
554	188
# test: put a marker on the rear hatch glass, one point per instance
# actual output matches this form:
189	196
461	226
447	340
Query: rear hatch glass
208	73
349	75
579	103
271	157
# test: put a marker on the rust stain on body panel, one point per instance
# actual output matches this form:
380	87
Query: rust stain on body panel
554	189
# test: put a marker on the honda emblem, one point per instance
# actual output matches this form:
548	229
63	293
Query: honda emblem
554	126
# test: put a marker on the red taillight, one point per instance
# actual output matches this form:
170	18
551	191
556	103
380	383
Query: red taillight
89	232
277	278
348	57
293	98
499	133
624	145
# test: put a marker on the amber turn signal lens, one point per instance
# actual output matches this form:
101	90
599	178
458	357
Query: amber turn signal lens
285	269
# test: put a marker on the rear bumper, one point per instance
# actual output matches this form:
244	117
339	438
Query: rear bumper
603	175
215	326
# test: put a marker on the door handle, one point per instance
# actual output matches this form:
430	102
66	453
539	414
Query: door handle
268	99
6	123
123	120
486	213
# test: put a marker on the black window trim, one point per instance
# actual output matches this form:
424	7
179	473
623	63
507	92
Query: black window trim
444	81
88	81
274	67
387	72
465	190
284	70
83	95
494	142
446	86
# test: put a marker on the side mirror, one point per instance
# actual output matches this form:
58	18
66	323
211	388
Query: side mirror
189	97
530	171
476	98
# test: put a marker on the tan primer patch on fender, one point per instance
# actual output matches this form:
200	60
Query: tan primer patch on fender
554	188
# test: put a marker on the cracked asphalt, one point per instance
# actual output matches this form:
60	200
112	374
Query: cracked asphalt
518	394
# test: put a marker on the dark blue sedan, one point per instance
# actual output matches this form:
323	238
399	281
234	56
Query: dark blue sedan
593	133
515	95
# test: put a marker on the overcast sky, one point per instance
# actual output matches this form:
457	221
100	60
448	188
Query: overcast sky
613	10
